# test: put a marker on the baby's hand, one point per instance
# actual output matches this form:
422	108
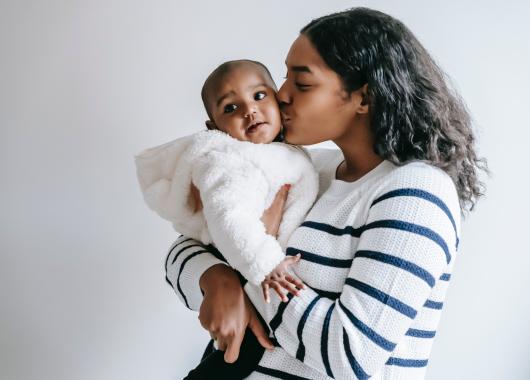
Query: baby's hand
280	278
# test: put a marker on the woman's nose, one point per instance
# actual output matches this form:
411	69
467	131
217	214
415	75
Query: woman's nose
283	95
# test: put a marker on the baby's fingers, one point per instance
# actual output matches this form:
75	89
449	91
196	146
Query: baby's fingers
290	287
291	260
278	289
295	281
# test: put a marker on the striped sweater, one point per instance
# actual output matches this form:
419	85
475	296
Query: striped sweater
377	256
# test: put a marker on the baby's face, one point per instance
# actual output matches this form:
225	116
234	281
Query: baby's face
244	105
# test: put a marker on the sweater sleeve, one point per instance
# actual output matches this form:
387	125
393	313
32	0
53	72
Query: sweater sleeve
186	261
403	250
234	194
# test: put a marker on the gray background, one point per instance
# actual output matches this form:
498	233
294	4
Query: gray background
86	84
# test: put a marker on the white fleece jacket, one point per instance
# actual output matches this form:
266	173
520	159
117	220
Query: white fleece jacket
237	181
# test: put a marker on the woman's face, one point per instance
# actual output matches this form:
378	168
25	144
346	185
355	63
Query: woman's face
315	107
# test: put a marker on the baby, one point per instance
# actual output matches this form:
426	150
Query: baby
215	185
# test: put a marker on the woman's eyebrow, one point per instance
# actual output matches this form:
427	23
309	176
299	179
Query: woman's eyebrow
301	69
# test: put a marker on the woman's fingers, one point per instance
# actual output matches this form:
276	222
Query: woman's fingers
233	346
273	215
266	294
281	198
221	344
257	328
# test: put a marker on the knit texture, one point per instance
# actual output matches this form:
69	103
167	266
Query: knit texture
237	181
377	256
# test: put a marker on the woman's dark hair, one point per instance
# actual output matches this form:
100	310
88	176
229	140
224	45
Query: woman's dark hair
415	115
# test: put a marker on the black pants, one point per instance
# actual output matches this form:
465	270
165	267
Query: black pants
213	365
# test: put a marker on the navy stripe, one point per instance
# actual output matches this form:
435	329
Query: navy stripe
357	369
348	230
182	250
277	319
215	252
324	341
445	277
413	228
314	258
399	263
300	352
418	193
407	362
169	254
386	223
367	331
421	333
326	293
434	305
385	299
278	374
180	272
175	246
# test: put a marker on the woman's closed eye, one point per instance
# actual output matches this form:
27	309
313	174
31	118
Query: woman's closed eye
302	86
299	85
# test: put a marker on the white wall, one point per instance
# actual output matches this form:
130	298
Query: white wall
86	84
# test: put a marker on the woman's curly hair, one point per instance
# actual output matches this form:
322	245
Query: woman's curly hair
415	115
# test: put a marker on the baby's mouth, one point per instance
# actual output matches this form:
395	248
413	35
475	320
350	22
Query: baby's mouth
254	126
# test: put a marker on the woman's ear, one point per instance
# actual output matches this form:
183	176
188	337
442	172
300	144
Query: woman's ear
210	125
364	106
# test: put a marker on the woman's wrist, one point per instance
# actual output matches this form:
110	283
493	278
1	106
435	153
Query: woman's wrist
219	276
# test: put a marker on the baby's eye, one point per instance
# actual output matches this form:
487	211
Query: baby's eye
229	108
260	95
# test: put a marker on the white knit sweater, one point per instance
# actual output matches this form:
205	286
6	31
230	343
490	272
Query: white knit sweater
377	255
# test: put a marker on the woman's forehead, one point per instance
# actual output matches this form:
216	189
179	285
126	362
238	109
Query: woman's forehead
303	57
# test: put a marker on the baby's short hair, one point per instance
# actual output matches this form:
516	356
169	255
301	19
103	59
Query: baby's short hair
222	70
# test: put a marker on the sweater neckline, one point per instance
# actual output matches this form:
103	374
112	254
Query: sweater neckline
339	187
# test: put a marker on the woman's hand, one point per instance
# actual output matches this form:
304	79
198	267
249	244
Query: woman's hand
273	215
226	311
194	199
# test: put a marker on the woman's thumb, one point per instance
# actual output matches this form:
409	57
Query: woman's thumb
259	332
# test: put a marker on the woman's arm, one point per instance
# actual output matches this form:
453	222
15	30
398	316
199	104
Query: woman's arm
405	246
204	282
186	261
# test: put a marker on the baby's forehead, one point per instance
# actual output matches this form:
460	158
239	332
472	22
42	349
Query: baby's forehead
241	74
232	76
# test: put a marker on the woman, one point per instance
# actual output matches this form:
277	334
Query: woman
378	247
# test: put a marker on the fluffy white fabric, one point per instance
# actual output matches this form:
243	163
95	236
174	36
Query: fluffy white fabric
237	181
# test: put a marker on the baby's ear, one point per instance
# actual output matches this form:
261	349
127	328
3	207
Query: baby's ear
210	125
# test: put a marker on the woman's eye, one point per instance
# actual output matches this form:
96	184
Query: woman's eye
229	108
259	95
302	86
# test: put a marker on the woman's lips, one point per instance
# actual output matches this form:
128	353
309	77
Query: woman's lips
285	119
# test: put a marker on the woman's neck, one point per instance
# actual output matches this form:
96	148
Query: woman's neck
359	155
